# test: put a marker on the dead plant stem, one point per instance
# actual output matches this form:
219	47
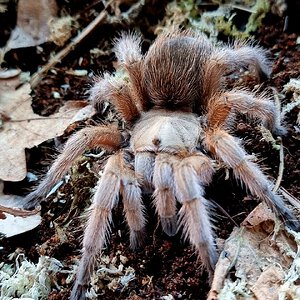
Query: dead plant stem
281	167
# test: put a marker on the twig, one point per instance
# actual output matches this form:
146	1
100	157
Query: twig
38	119
17	212
129	15
281	153
277	100
281	167
37	77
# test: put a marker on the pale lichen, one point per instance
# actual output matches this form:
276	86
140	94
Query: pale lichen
260	9
187	13
269	138
112	274
293	86
290	289
27	279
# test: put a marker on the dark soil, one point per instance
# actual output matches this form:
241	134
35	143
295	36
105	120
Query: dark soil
164	265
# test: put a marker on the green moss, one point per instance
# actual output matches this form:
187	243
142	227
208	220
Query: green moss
261	8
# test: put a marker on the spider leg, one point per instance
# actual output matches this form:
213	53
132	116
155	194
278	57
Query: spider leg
226	148
164	198
133	207
93	137
223	108
115	89
128	48
226	59
243	55
116	177
98	225
128	52
191	174
144	165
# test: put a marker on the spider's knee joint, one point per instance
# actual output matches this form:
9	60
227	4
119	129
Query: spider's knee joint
188	200
240	164
163	189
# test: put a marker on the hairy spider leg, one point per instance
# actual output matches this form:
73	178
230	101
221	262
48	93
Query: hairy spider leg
226	59
144	165
128	52
133	207
227	149
191	174
117	176
224	108
115	89
106	137
164	198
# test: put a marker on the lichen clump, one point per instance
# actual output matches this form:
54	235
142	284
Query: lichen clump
187	13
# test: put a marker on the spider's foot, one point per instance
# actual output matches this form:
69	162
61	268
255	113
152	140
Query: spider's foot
290	220
208	258
30	202
280	131
293	224
137	238
169	225
285	213
264	75
78	292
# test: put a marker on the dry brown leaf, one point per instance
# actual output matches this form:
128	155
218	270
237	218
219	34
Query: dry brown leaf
13	219
267	285
32	27
256	260
22	128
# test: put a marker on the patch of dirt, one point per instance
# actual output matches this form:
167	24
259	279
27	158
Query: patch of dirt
165	265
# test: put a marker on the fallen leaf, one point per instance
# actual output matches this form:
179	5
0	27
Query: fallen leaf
267	285
13	219
22	128
5	74
13	225
32	27
257	260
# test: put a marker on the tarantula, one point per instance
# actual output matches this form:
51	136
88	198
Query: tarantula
178	117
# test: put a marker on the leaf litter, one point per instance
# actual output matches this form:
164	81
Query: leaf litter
13	219
32	28
22	128
259	261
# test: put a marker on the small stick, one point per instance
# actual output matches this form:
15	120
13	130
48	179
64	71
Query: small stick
17	212
281	167
131	13
281	153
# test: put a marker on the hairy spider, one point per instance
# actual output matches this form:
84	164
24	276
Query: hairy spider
178	118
